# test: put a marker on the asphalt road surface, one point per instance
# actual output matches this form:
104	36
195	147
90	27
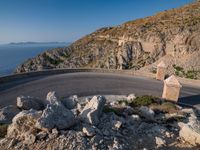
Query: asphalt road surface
85	84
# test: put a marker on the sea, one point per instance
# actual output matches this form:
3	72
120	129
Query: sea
12	55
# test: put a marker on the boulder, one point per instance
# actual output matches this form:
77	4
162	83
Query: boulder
190	131
27	102
23	124
189	135
70	102
146	112
55	115
93	110
7	113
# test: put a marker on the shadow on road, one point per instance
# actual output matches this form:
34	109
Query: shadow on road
190	100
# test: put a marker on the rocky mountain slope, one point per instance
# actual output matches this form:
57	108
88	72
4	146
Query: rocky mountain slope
132	45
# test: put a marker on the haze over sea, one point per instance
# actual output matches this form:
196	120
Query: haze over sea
12	55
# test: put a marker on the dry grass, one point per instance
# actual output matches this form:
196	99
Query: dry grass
165	107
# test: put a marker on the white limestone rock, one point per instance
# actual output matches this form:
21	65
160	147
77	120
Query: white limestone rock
160	142
55	115
93	110
190	131
23	123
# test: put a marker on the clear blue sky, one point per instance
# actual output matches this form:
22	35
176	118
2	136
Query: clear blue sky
68	20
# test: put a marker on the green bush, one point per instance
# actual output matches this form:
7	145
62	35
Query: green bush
145	100
123	101
51	60
191	74
3	130
178	68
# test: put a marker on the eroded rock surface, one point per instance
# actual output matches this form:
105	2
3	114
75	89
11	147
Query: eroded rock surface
7	113
27	102
102	126
55	115
70	102
93	110
190	131
23	126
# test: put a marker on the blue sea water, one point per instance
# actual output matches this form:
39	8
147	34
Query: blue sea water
13	55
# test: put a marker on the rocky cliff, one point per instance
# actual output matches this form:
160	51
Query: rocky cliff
132	45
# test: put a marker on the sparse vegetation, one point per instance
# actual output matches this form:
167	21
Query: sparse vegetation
190	74
178	68
51	60
154	70
3	130
165	107
123	102
145	100
115	110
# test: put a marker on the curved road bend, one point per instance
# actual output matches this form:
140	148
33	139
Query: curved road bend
85	84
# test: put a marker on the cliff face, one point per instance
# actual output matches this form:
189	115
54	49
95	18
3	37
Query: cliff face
131	45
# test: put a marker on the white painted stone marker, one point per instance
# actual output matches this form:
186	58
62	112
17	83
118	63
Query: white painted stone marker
161	69
171	89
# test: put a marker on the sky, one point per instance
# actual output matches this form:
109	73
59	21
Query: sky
69	20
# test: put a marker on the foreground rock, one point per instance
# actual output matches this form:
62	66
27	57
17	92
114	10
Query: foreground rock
190	131
7	113
70	102
100	125
147	112
55	115
93	110
27	102
23	126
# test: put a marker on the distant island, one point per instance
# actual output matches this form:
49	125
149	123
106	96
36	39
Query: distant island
36	43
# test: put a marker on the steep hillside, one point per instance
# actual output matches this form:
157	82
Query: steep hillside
132	45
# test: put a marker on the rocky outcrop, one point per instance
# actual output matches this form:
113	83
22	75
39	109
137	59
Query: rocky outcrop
28	102
190	131
70	102
93	110
23	126
102	126
132	45
7	113
55	115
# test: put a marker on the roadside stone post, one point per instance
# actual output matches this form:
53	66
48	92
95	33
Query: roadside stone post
161	69
171	89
